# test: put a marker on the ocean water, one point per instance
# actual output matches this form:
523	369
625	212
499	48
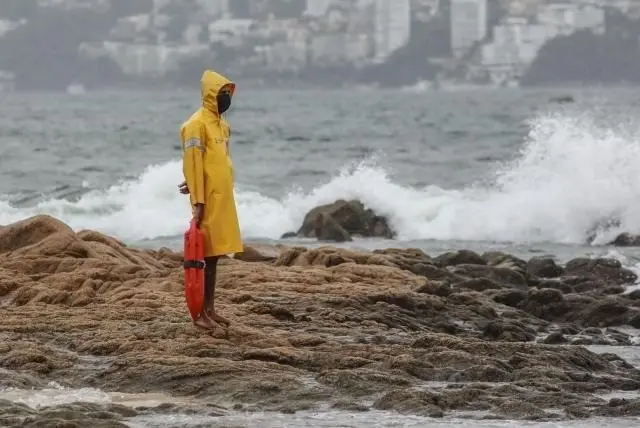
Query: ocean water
503	170
509	169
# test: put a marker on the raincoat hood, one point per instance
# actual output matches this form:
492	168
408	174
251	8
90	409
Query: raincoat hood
210	86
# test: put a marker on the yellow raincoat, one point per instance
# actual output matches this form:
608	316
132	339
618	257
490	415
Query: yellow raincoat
208	170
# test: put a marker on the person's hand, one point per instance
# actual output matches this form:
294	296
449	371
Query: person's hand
183	188
198	214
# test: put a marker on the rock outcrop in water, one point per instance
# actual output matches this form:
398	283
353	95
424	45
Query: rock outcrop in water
342	220
626	240
478	335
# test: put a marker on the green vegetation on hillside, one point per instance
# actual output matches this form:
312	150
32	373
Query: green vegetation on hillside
584	57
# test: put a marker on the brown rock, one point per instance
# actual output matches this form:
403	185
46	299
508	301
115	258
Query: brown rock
503	276
258	253
555	284
310	328
30	231
626	240
500	259
555	339
546	303
634	320
415	402
606	312
342	219
479	284
634	295
544	267
509	331
461	257
511	298
606	270
327	228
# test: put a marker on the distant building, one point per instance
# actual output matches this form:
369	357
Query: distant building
282	56
339	49
224	29
524	8
468	24
514	47
131	28
359	49
567	18
193	34
362	18
148	60
215	7
516	41
426	8
392	27
629	7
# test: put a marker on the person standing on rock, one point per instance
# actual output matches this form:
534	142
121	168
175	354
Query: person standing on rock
208	174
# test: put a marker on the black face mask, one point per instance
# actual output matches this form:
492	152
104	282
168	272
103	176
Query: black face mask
224	102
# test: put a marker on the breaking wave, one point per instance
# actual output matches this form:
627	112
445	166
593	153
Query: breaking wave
569	177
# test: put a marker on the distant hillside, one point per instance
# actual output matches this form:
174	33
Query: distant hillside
43	53
584	57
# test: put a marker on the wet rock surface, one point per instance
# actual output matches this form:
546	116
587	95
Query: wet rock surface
74	415
626	240
340	221
394	330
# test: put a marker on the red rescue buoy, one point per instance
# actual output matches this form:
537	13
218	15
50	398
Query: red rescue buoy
194	269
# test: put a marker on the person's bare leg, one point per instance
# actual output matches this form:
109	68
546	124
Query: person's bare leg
204	320
210	290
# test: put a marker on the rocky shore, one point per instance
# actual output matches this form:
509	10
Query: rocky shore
461	333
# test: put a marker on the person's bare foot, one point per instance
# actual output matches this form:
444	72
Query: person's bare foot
204	322
218	318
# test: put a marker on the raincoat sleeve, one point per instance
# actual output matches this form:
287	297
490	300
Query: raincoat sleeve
192	161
